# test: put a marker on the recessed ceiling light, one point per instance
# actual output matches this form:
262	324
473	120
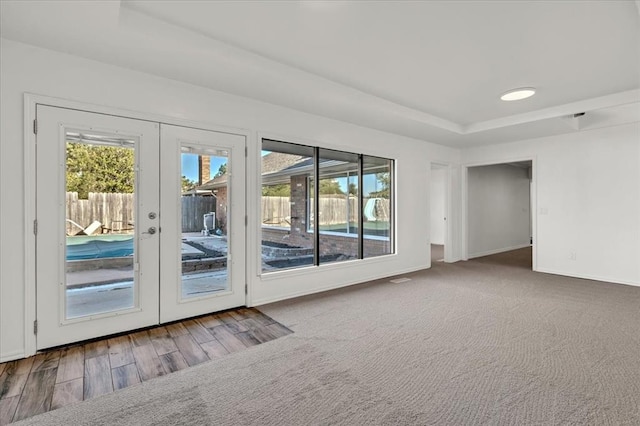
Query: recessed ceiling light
518	94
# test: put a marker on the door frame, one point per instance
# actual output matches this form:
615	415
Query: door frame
31	100
533	200
448	199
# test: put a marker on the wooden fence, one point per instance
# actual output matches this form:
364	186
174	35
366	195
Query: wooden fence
193	211
335	209
276	211
115	211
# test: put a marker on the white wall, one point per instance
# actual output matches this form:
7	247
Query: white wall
498	209
29	69
588	200
588	182
438	198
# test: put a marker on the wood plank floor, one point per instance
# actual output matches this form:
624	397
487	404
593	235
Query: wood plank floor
61	376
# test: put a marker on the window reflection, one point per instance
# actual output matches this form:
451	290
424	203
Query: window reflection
354	191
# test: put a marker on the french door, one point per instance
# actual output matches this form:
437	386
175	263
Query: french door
125	236
202	243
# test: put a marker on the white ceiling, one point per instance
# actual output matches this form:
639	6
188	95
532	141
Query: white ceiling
432	70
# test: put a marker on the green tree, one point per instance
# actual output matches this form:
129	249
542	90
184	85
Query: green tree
96	168
330	187
385	182
353	189
187	184
222	170
280	190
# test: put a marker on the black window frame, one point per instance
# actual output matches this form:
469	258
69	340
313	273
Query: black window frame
313	200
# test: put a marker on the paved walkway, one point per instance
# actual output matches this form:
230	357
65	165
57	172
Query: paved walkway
114	275
105	290
83	301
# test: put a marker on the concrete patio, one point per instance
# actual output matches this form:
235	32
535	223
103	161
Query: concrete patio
94	291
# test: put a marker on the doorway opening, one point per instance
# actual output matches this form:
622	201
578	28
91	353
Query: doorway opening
499	219
438	201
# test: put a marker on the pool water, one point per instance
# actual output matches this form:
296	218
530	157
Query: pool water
99	246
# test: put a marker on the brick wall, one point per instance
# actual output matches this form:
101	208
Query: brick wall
329	243
298	236
221	209
204	165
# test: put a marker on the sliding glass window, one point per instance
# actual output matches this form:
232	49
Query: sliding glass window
377	206
351	207
338	207
286	169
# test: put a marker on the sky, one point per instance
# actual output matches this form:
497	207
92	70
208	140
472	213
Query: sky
190	170
190	166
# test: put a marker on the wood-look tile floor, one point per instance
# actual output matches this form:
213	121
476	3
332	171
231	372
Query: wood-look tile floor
62	376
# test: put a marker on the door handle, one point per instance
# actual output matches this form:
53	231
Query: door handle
151	230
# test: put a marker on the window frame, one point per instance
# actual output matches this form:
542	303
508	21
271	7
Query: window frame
312	200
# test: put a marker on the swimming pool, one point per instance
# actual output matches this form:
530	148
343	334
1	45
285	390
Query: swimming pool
86	247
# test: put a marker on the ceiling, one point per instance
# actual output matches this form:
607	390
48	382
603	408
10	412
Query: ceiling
432	70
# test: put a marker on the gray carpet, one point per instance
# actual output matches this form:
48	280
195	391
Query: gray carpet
476	342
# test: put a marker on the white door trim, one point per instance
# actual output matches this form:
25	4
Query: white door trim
533	209
29	200
448	209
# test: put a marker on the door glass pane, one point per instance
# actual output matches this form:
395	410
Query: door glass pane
286	206
204	204
99	224
377	182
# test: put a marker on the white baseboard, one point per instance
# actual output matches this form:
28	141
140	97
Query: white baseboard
264	301
588	277
12	356
496	251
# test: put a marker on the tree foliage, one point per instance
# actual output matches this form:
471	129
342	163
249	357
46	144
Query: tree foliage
330	187
96	168
353	189
221	170
187	184
280	190
384	178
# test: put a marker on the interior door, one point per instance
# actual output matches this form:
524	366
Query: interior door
202	222
97	245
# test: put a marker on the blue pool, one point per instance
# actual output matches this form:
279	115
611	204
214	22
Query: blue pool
99	246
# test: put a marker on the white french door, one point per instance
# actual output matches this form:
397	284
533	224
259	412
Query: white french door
202	250
118	246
